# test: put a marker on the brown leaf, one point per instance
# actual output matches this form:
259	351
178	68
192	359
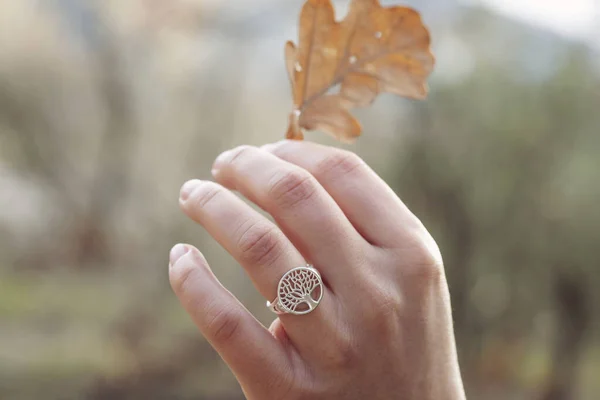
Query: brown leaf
373	50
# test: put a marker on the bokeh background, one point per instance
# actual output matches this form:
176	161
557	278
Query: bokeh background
108	106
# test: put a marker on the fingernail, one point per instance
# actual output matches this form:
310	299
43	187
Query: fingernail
220	161
178	251
188	188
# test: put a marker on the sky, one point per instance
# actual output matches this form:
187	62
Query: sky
574	18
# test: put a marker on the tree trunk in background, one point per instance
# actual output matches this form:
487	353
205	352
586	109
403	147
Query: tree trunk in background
573	315
444	199
111	180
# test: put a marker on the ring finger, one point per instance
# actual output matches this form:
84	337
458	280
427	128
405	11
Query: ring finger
255	242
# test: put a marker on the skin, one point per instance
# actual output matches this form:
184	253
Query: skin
383	329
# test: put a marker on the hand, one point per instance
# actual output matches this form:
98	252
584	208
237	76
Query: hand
383	329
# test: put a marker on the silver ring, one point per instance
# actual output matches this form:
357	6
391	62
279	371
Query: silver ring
299	291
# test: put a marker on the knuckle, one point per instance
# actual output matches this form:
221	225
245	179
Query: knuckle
431	270
344	354
418	255
423	259
222	323
260	244
385	310
387	299
292	187
206	193
347	352
339	163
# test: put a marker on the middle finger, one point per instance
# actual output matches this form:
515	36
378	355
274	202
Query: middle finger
300	205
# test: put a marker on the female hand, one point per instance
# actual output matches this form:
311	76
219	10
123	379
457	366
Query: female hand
383	329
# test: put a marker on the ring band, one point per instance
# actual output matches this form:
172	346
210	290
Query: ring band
299	291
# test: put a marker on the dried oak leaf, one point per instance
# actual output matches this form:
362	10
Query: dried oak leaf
374	49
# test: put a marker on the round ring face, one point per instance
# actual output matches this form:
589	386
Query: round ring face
300	290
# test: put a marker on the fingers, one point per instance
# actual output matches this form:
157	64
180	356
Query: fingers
302	208
260	247
367	201
254	355
254	241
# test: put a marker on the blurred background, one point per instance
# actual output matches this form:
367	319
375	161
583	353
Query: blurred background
108	106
